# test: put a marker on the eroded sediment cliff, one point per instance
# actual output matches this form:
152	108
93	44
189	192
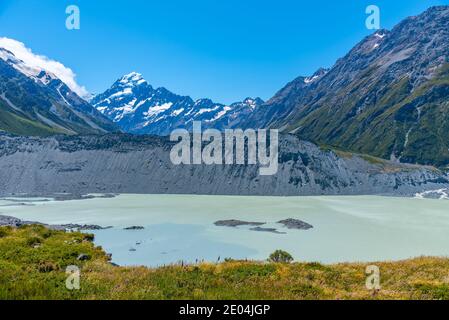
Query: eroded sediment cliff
141	164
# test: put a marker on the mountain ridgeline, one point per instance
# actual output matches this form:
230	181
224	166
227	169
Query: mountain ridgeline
388	97
36	102
139	108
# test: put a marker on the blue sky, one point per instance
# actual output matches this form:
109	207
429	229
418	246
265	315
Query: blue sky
224	50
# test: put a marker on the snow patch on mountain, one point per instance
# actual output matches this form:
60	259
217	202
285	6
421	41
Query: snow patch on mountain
316	76
157	109
38	67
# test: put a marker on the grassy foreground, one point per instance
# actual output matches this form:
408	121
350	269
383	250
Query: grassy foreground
33	261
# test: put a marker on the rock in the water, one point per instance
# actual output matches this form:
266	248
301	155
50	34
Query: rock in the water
237	223
135	228
296	224
83	227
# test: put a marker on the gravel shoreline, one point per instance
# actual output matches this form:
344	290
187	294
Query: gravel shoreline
7	221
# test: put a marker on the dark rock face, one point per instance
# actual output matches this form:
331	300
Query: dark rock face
387	97
296	224
141	164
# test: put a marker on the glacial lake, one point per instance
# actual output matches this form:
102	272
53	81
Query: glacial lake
178	227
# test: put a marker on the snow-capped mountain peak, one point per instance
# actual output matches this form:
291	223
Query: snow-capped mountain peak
137	107
132	79
33	94
203	102
35	73
253	103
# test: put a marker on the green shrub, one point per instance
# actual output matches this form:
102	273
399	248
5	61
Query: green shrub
46	267
33	241
280	256
38	272
434	292
89	237
4	232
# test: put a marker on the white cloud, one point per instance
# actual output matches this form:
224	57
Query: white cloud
32	60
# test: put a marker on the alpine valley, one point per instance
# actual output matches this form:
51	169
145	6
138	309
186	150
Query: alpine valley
101	199
388	97
377	122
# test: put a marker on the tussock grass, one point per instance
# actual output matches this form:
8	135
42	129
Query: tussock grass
33	261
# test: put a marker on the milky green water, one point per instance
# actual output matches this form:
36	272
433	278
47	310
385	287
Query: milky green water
346	229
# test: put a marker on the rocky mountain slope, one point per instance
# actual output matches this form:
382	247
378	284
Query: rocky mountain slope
36	102
138	108
387	97
141	164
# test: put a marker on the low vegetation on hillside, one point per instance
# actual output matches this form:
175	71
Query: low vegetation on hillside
33	262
